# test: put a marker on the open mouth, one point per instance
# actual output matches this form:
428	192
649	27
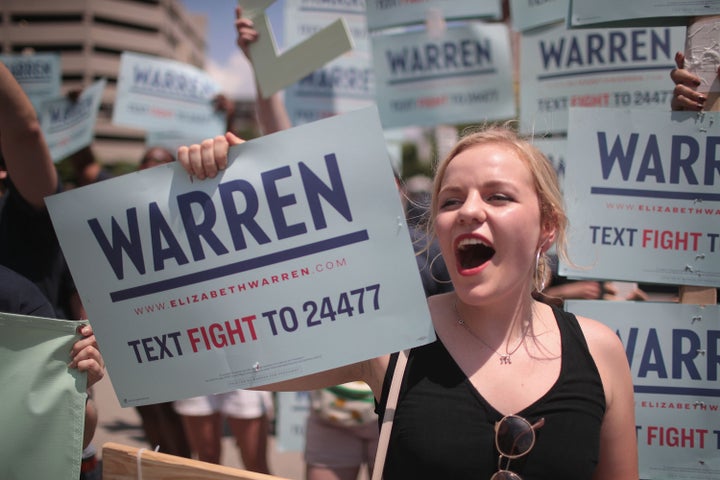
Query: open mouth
472	252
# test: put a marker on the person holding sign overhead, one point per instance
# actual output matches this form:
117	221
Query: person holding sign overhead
512	387
29	250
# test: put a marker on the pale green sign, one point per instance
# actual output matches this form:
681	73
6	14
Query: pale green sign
43	401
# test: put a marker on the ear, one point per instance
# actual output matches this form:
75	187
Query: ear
547	238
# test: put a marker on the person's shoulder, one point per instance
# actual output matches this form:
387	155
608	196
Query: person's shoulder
601	339
20	296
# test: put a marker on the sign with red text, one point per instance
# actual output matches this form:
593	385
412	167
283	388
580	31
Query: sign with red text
69	125
155	93
294	260
674	356
561	68
642	196
463	76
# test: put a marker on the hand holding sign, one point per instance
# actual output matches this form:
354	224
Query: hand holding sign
275	72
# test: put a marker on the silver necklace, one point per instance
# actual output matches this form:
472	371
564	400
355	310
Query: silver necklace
504	357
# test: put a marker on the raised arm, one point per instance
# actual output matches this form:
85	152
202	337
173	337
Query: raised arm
26	154
271	113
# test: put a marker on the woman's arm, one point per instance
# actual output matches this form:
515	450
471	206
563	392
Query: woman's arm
26	154
370	371
271	113
618	437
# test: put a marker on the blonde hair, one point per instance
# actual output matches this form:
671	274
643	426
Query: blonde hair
550	198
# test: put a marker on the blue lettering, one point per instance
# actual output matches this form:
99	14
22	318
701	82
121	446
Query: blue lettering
55	114
651	165
630	344
686	351
712	159
595	44
611	47
652	350
199	217
202	229
685	154
172	82
575	57
638	46
237	219
142	75
277	202
159	231
334	195
681	358
617	47
685	164
120	243
438	57
713	354
336	78
607	159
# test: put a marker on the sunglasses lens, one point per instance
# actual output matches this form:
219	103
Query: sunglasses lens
505	475
515	437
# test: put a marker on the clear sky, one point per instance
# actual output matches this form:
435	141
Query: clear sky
225	61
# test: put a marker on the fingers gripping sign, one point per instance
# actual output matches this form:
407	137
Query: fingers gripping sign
206	159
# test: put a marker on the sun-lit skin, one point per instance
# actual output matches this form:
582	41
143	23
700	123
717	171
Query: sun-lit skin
487	195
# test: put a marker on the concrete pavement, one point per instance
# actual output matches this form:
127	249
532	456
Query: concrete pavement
122	425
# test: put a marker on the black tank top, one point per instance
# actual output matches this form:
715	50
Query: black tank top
444	429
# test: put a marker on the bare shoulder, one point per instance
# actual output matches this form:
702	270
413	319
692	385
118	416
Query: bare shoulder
599	336
604	344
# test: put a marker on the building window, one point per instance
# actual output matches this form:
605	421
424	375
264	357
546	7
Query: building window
35	19
55	47
128	25
107	50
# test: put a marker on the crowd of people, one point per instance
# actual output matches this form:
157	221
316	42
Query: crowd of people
513	387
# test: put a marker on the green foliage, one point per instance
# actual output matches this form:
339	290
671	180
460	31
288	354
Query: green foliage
411	164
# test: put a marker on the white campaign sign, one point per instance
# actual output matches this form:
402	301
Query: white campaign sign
155	93
39	75
584	13
526	15
674	356
68	125
293	260
641	189
562	68
462	76
344	84
391	13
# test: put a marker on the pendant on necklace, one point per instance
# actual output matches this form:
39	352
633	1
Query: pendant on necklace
505	359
